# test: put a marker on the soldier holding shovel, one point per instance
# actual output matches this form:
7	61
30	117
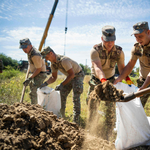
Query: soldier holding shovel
36	67
141	51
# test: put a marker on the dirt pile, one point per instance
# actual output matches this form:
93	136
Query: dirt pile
107	92
25	126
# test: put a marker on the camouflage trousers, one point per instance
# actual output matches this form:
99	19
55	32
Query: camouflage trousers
76	84
145	97
109	110
34	85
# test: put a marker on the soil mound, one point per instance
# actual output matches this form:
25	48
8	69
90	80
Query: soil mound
25	126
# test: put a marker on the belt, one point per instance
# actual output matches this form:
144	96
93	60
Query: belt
43	72
96	79
40	72
79	72
142	78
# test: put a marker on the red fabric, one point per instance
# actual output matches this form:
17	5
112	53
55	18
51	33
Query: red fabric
127	78
103	80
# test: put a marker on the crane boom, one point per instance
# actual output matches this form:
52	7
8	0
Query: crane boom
48	25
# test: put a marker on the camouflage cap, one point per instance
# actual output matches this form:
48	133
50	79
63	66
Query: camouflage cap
24	43
45	51
108	33
140	27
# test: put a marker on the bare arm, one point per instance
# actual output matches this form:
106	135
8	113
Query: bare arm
126	71
69	77
146	83
36	72
98	69
52	78
120	67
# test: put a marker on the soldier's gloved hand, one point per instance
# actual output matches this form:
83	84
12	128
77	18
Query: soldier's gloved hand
43	85
59	87
128	80
103	80
27	81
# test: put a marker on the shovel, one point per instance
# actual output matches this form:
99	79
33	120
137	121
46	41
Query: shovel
133	95
24	87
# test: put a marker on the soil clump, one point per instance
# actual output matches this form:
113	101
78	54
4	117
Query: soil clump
25	126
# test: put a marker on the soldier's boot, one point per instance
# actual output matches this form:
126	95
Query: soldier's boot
62	111
76	119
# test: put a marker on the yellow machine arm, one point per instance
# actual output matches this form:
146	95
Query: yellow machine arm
48	25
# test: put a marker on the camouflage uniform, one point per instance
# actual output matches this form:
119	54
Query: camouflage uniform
143	54
76	84
37	80
1	66
110	110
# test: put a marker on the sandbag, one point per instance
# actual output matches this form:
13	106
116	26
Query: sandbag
49	99
133	128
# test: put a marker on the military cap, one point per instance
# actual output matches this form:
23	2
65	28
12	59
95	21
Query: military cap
24	43
108	33
45	51
140	27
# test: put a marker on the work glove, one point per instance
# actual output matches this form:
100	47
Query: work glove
43	85
103	80
128	80
27	81
59	87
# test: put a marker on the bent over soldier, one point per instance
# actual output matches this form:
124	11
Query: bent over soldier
141	51
74	79
36	67
104	57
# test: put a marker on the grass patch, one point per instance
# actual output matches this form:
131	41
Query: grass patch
12	85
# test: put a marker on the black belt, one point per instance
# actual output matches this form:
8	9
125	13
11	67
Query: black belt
79	72
42	72
96	79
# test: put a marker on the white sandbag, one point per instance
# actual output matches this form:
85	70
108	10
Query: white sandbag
49	99
133	128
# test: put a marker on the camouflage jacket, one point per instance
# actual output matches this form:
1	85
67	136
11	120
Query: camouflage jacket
58	65
114	55
142	50
34	52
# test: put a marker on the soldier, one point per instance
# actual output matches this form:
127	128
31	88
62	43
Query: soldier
141	51
1	66
36	67
74	79
104	57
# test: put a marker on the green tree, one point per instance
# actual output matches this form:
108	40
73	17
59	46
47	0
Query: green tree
86	69
8	61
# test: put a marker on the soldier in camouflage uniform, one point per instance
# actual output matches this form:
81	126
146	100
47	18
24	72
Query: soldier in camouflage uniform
1	66
104	57
141	51
74	79
36	67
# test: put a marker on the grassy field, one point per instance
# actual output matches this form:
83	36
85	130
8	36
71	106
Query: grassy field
11	89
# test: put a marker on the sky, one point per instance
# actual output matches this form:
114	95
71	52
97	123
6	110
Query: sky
85	18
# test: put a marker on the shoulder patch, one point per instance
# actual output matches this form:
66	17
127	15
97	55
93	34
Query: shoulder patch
118	47
136	44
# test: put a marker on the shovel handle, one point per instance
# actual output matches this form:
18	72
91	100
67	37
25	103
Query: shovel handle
24	87
141	92
134	95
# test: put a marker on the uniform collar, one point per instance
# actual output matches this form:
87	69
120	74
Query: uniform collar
30	51
113	49
57	58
